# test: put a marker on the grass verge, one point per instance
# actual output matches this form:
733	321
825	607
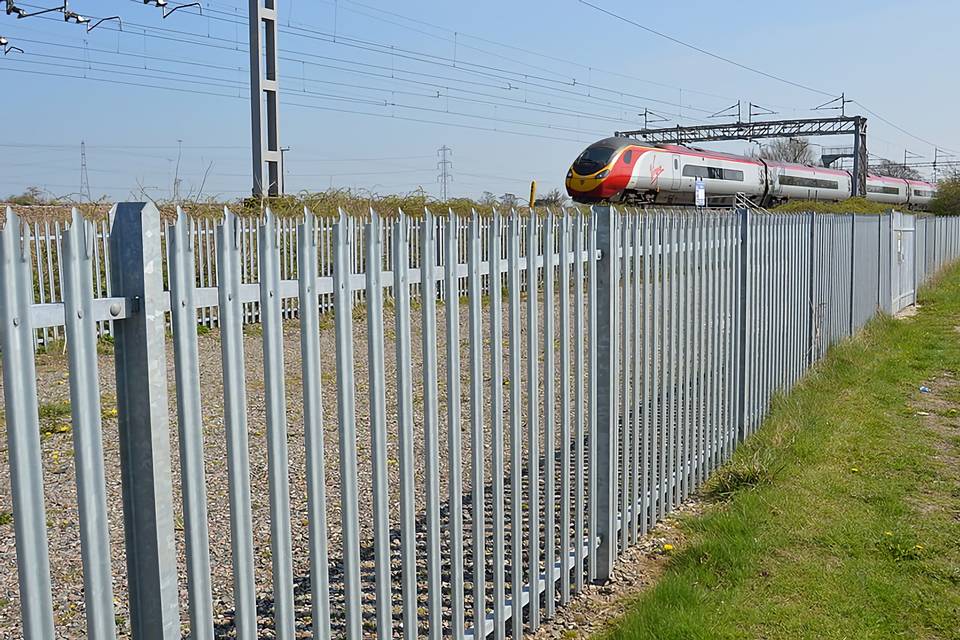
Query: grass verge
840	518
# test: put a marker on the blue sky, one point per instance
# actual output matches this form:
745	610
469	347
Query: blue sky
371	89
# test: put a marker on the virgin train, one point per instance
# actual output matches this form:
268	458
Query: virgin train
621	170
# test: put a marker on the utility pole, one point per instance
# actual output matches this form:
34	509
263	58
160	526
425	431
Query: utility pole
84	178
446	166
860	157
176	173
908	156
264	91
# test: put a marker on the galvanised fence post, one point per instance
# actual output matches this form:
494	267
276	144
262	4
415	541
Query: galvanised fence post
880	262
853	270
23	430
136	273
606	408
744	224
812	291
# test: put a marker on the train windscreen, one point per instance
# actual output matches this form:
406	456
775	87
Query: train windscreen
593	159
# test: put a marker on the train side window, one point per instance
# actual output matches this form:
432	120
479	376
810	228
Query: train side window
628	157
712	173
695	171
676	163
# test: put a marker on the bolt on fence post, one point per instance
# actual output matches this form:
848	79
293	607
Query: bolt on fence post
136	272
607	427
744	216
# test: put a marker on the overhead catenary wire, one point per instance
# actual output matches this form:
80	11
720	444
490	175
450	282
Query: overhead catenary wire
437	85
574	93
513	47
711	54
519	77
334	97
658	33
901	129
800	85
239	44
286	101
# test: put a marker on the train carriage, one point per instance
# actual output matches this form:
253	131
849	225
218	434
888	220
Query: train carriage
624	170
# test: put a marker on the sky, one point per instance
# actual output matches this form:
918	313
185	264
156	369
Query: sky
370	90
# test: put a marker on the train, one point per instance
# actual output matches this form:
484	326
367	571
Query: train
623	170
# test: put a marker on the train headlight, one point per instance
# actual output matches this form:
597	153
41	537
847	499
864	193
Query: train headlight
603	174
569	173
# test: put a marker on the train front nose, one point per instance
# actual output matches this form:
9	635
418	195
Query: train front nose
592	188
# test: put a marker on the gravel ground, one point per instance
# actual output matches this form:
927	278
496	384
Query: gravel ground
599	606
60	488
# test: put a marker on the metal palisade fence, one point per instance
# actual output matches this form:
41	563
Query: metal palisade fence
518	400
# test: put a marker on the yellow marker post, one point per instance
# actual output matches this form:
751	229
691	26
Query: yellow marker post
533	192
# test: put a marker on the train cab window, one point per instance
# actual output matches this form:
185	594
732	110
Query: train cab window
676	163
628	156
593	159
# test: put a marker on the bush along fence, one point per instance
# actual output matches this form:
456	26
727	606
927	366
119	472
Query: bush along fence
514	444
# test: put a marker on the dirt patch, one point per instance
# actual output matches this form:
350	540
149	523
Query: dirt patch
939	410
638	569
907	312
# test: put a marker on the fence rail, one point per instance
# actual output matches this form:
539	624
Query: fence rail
521	400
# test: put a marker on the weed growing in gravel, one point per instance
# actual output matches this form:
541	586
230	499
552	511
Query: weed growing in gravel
53	347
54	410
105	345
54	418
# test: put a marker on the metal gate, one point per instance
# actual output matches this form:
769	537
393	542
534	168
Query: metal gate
903	271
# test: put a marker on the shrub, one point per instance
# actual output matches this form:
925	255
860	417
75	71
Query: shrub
947	200
853	205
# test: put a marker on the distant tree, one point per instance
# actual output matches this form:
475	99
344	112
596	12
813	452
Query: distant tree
30	196
894	170
552	198
508	200
947	200
488	199
794	150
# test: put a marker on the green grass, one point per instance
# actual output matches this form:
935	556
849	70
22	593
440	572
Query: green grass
840	518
